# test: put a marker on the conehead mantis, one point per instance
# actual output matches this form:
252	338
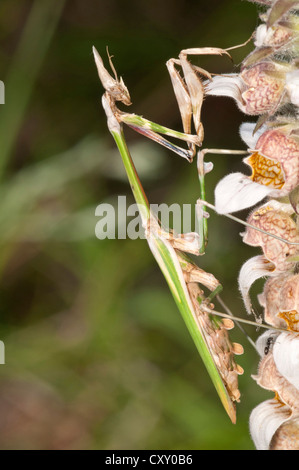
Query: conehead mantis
170	250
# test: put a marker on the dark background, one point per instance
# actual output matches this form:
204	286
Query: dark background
97	355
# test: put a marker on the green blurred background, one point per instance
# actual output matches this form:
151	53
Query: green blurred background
97	355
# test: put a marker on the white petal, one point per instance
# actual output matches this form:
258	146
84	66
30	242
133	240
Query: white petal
292	85
236	192
247	135
286	357
253	269
230	85
264	420
264	341
260	35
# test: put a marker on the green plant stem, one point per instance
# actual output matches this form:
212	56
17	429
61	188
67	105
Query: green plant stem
202	221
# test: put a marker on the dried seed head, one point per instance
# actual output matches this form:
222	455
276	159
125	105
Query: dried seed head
277	222
286	437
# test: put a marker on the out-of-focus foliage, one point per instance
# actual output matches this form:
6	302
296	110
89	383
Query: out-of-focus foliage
97	356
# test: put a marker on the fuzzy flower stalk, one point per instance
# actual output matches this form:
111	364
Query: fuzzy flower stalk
268	87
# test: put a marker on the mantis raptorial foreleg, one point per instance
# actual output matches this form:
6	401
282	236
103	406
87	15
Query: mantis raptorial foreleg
189	89
189	92
155	131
